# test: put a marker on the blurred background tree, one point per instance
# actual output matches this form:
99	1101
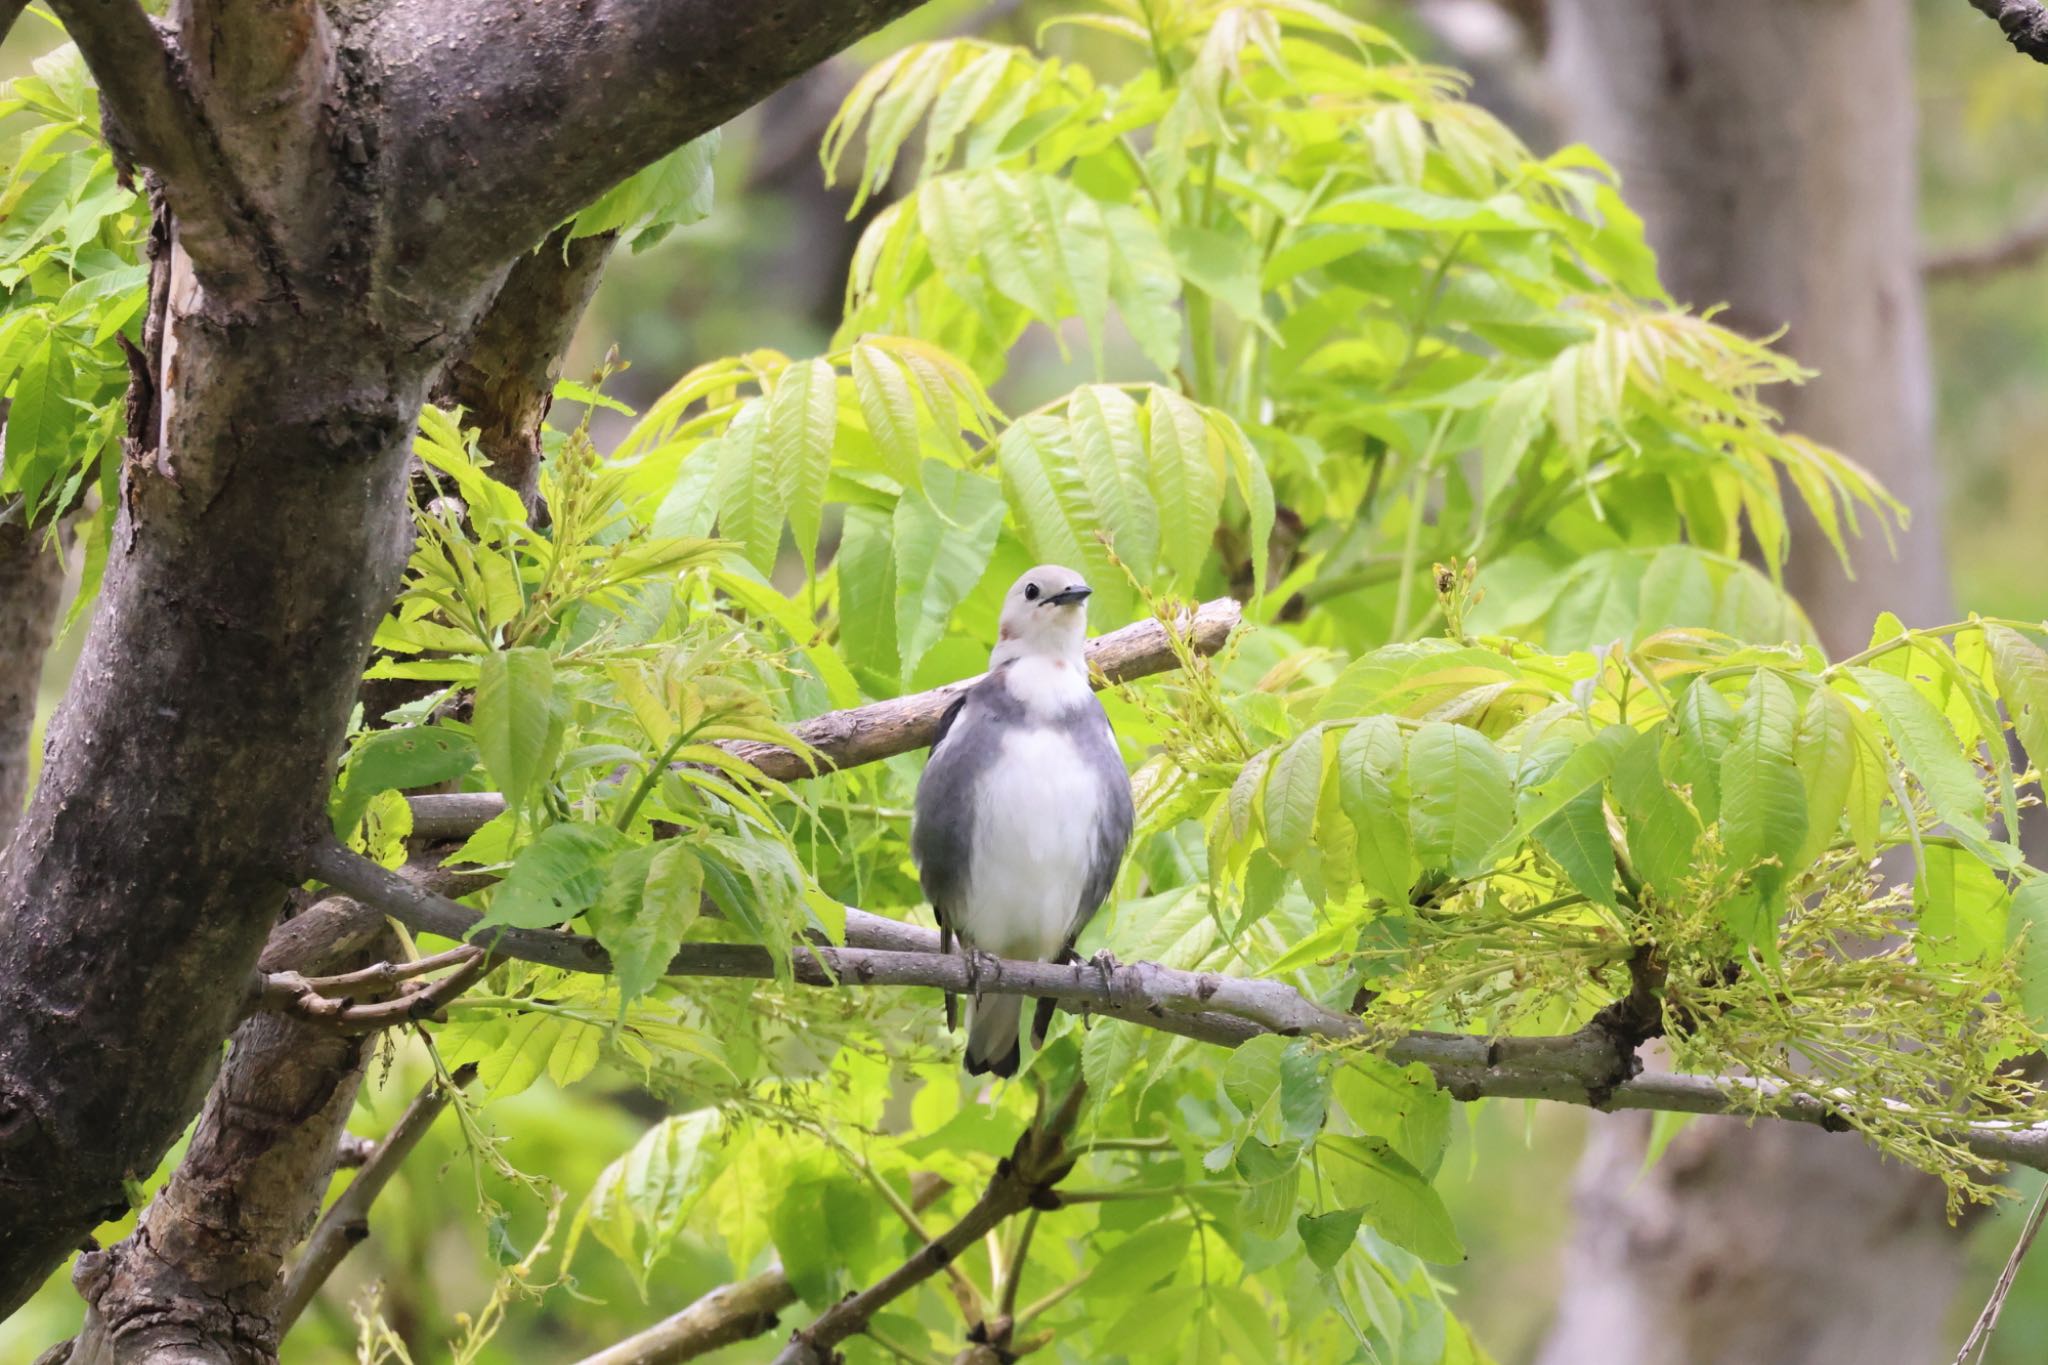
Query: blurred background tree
1806	113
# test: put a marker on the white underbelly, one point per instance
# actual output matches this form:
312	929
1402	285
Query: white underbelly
1034	836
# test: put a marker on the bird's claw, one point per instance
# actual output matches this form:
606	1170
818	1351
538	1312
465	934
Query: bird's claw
1105	964
978	962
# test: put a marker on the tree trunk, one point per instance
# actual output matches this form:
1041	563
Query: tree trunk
1769	145
31	581
349	187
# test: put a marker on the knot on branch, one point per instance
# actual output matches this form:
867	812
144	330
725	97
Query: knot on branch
2025	25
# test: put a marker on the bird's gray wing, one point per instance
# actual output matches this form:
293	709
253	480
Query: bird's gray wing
942	825
1096	743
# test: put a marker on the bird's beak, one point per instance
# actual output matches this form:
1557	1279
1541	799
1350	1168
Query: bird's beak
1069	596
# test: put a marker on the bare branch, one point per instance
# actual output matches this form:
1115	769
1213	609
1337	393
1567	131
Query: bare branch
883	729
347	1220
1594	1067
2018	249
1025	1180
2025	23
320	999
1987	1321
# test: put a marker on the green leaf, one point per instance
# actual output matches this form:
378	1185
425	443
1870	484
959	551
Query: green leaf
1220	263
1576	837
1050	498
1400	1104
554	878
748	486
1293	786
1145	285
42	420
650	898
672	192
1140	1261
2027	922
803	418
1326	1237
1512	425
1662	830
517	721
2021	669
1705	728
1763	799
409	756
1930	748
639	1203
1462	798
868	602
1109	445
1187	481
889	410
945	532
1962	907
1825	751
1372	786
1392	1196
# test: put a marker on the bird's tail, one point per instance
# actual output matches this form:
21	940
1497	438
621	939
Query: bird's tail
992	1045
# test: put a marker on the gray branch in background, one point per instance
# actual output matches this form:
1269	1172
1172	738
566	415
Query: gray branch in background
883	729
2016	250
1592	1067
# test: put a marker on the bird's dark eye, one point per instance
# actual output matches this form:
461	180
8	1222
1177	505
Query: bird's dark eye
1030	592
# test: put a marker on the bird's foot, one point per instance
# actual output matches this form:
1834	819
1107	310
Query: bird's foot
977	963
1105	966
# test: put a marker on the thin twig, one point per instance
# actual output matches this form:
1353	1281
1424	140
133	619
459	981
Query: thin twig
1025	1180
347	1220
2017	249
732	1312
1987	1321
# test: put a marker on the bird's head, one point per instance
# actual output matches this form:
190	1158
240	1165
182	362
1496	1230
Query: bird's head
1044	613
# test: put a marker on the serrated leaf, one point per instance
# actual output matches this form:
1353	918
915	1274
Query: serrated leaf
890	411
1108	436
1931	751
517	721
1392	1196
803	419
2027	921
944	533
1291	793
1826	754
554	878
1461	802
1187	481
1401	1104
2021	669
1763	799
1576	837
1372	786
750	506
650	898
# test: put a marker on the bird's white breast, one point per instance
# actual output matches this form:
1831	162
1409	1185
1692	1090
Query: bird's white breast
1045	685
1034	834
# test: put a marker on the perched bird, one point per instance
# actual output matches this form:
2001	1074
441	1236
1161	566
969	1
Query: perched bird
1024	811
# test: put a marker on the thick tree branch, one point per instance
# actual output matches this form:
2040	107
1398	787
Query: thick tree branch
347	1220
2025	23
201	1268
147	91
31	582
1594	1067
528	112
883	729
505	376
2018	249
1024	1179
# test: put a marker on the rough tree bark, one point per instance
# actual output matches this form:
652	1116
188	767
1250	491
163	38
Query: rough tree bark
1769	144
31	581
349	186
198	1280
